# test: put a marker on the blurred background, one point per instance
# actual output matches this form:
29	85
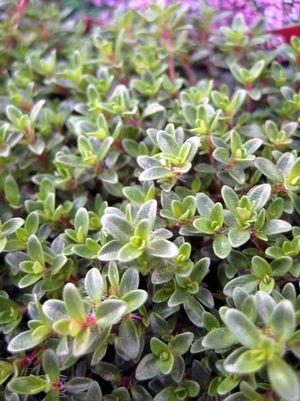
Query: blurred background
275	13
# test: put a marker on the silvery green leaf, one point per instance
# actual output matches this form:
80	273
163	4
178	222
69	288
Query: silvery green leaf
248	282
128	341
284	379
147	162
167	143
129	252
117	227
162	248
54	310
204	204
283	320
94	284
74	303
154	173
148	211
134	299
194	310
110	312
276	226
36	109
285	163
151	109
268	169
147	368
219	339
252	145
23	342
221	246
242	328
260	194
12	225
129	281
110	251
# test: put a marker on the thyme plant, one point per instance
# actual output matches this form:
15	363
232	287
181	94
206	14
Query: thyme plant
149	234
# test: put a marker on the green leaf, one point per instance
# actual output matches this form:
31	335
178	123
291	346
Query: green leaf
51	365
110	251
294	174
219	338
63	326
181	343
230	198
154	173
6	370
81	342
284	379
242	328
35	250
281	265
194	310
265	305
23	342
192	387
204	204
3	242
166	365
167	143
228	384
129	252
94	392
82	221
128	342
260	267
135	299
27	385
73	302
249	361
259	195
179	296
267	286
54	309
143	229
29	279
117	227
152	108
12	225
237	236
162	248
93	284
36	109
276	226
147	368
11	190
248	282
221	246
283	320
268	169
203	225
129	281
110	312
157	346
14	114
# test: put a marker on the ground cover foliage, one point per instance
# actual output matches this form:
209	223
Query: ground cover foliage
150	208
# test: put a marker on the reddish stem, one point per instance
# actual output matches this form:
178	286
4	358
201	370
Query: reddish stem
210	151
27	360
189	72
260	245
167	39
21	8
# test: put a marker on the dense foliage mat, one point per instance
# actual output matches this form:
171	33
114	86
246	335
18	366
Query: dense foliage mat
150	208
